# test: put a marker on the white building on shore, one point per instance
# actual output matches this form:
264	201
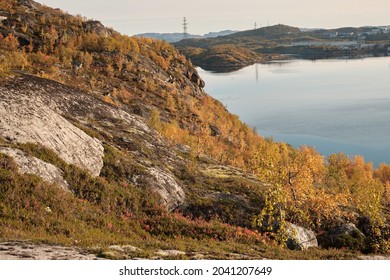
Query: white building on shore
325	43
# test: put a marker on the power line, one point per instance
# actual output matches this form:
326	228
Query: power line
185	27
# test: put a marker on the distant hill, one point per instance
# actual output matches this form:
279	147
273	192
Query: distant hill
168	37
220	33
282	42
268	32
265	36
176	37
238	49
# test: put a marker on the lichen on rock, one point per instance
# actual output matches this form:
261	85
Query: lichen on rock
300	238
165	185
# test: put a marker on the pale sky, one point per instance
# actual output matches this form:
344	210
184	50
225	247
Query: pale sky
139	16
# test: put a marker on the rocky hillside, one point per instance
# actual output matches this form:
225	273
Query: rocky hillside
35	111
109	141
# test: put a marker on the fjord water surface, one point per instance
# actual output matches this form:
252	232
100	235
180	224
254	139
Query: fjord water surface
334	105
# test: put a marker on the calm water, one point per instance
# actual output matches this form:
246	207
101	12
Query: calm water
333	105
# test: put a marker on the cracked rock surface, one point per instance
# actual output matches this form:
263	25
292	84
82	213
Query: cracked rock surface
25	119
15	250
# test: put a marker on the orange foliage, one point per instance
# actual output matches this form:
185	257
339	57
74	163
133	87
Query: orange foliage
9	43
383	174
109	100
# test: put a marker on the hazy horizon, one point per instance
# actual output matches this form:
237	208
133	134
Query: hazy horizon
131	17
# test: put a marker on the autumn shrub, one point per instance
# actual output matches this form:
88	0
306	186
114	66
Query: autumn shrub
11	57
354	241
30	201
9	43
383	174
175	225
41	152
42	59
108	99
119	167
113	191
155	120
173	133
32	208
378	238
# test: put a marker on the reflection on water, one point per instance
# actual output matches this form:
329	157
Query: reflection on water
334	105
257	72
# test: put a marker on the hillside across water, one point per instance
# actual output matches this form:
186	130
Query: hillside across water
235	51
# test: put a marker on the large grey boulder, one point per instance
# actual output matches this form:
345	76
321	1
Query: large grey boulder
300	238
165	185
343	236
24	120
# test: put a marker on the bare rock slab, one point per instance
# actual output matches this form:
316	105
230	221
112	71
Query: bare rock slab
23	250
26	120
